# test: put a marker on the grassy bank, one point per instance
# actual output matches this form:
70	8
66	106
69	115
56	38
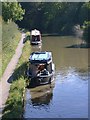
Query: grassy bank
0	46
10	39
14	104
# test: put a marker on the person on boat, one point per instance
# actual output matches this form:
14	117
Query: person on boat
43	70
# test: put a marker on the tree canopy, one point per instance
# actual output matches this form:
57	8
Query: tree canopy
54	17
48	17
12	11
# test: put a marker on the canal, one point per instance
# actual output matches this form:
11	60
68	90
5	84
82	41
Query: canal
67	96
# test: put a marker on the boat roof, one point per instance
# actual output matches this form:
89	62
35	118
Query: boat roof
40	57
35	32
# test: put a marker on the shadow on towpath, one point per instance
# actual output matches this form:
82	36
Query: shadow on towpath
18	73
14	104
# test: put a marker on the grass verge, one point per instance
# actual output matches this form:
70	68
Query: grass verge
10	39
0	46
14	104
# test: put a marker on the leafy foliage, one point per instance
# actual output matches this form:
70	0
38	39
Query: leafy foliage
86	22
12	11
48	17
55	17
86	32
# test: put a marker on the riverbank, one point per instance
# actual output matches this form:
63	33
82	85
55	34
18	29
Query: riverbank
10	39
14	104
83	44
5	80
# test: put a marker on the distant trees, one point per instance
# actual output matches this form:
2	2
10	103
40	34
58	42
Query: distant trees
86	32
45	16
86	23
54	17
12	11
49	17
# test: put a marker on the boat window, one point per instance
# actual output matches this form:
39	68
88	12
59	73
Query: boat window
35	38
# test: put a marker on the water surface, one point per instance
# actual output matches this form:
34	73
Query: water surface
67	96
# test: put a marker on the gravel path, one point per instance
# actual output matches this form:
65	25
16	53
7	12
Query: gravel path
4	84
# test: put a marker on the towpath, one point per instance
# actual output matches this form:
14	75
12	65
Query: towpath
4	84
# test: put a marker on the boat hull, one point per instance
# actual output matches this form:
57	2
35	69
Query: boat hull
41	80
36	42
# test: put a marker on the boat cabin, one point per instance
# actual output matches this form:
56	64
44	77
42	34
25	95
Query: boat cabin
35	37
41	67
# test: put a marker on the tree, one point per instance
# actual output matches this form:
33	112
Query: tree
54	17
86	32
86	22
12	11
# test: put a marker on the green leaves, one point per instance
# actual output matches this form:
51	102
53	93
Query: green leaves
86	32
12	11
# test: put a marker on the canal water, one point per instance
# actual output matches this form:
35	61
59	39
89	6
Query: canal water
67	96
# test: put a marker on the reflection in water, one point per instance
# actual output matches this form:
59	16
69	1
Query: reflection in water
38	98
41	95
68	98
66	57
45	99
35	48
73	74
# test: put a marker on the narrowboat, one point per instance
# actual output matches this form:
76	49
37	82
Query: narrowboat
41	68
35	37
